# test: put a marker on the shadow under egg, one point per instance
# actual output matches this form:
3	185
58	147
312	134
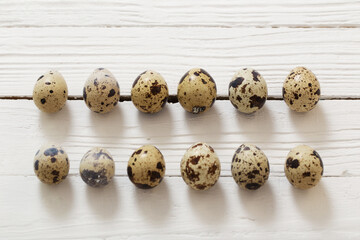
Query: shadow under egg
104	201
154	204
209	206
58	199
56	126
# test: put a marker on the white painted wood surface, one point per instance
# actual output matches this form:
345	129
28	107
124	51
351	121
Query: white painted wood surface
187	13
334	134
170	37
73	210
173	211
333	54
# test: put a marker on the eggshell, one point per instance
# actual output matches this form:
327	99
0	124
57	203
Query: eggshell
301	90
200	166
196	91
101	91
146	167
149	92
303	167
50	92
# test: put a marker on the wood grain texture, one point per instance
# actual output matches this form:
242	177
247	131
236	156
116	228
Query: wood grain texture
144	13
330	129
332	54
73	210
76	36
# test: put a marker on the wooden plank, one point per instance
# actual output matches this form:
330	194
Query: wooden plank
72	210
76	36
332	54
143	13
330	129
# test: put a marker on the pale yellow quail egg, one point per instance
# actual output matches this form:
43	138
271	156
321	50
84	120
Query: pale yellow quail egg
97	167
50	92
301	90
196	91
247	90
149	92
146	167
250	167
303	167
200	166
51	164
101	91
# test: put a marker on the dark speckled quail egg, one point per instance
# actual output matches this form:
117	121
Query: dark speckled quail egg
200	166
196	91
149	92
50	92
250	167
51	164
97	167
301	90
247	91
146	167
303	167
101	91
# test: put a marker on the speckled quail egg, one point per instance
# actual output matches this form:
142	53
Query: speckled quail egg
303	167
250	167
50	92
146	167
200	166
196	91
149	92
301	90
97	167
51	164
247	91
101	91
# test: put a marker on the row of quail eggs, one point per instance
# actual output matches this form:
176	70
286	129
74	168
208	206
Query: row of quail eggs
196	91
200	166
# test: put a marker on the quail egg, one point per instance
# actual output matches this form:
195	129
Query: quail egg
50	92
250	167
196	91
247	90
97	167
51	164
200	166
101	91
149	92
303	167
146	167
301	90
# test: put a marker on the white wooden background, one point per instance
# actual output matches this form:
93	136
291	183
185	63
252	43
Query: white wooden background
170	37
